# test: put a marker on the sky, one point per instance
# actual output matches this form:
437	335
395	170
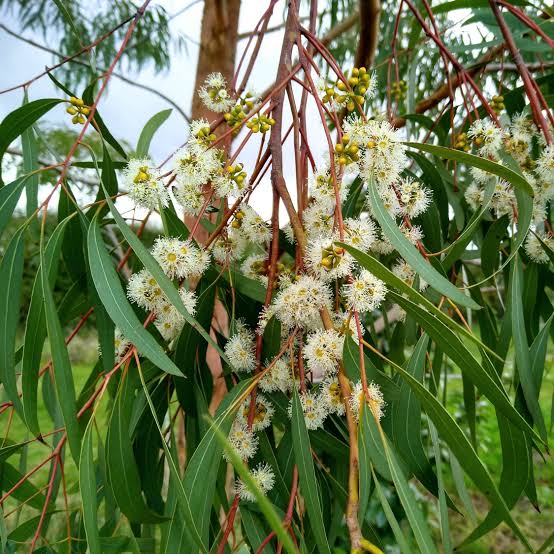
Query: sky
126	108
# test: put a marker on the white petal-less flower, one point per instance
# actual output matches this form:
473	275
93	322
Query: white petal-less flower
322	189
255	229
403	271
545	164
278	378
263	412
364	293
374	400
196	165
314	409
414	197
487	136
143	181
240	350
121	345
359	233
299	303
383	157
243	440
534	248
331	395
143	290
169	320
229	248
326	260
323	351
264	478
214	93
318	220
255	267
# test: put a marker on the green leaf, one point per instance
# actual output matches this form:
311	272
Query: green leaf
517	180
9	197
113	298
405	421
122	472
11	273
488	383
371	455
254	530
35	331
163	281
521	348
62	366
152	125
273	519
411	255
306	473
457	248
380	271
406	495
443	507
451	433
30	164
389	514
16	122
89	495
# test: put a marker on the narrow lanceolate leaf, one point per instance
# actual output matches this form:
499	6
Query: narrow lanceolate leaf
409	252
114	300
29	148
9	196
409	503
458	246
406	422
87	485
122	472
521	347
21	119
165	284
395	283
35	331
488	383
516	468
443	507
62	366
306	473
152	125
515	179
263	503
389	514
11	272
195	492
451	433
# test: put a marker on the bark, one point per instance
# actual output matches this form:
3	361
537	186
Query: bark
370	11
218	46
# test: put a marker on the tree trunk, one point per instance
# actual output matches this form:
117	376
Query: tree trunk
218	47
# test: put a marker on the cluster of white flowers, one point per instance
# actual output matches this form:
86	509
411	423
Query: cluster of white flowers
364	293
535	249
278	378
372	398
240	349
214	93
263	477
299	304
323	351
180	259
143	181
